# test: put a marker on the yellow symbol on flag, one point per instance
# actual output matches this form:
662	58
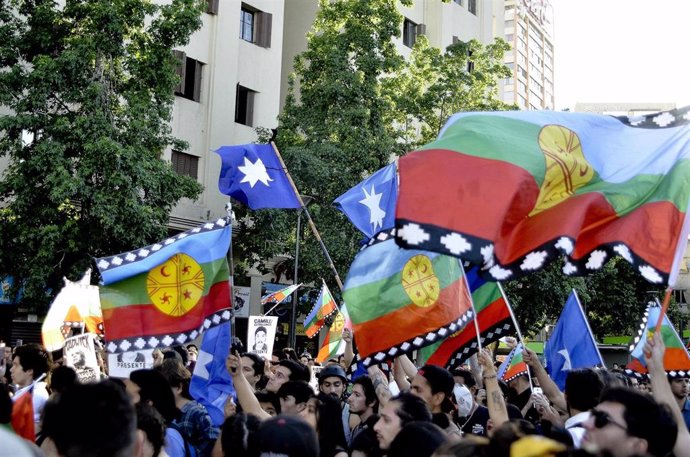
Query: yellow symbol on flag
566	167
338	323
420	282
176	286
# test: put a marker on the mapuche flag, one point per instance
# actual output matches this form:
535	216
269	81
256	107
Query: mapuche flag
169	292
324	307
493	318
401	300
513	366
510	191
676	358
333	344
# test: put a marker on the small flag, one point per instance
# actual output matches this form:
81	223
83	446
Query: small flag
169	292
370	205
676	358
211	384
23	414
513	366
572	344
333	344
279	295
324	307
254	175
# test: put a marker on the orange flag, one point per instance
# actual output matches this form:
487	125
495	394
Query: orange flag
23	416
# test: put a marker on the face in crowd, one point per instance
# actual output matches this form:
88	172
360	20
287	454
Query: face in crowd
333	385
357	400
280	376
388	425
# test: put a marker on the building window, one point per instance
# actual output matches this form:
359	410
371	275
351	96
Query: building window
472	6
255	26
185	164
244	106
189	72
212	6
409	33
459	2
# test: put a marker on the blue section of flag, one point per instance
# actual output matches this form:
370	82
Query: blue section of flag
370	205
571	345
253	174
211	384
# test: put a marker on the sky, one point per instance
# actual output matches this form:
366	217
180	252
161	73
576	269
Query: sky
621	51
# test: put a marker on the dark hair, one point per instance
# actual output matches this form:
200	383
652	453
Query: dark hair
645	418
171	354
152	424
298	372
155	388
615	378
192	345
238	435
507	433
329	424
279	354
107	430
5	404
33	357
260	328
467	376
439	379
62	378
183	354
258	364
366	442
417	439
269	397
411	408
300	390
369	391
177	375
469	446
583	388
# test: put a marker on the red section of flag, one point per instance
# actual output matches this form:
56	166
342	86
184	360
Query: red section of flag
23	416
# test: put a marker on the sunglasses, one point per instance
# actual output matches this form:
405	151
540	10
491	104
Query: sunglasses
602	419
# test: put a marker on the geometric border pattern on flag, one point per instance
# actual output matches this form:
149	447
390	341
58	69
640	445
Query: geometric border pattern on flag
125	258
661	120
380	237
496	332
168	339
479	251
419	341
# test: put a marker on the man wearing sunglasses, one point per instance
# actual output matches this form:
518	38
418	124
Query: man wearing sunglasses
627	423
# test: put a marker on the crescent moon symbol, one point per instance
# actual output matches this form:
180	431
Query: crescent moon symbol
424	268
163	271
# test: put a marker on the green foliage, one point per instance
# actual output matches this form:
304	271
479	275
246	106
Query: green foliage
93	82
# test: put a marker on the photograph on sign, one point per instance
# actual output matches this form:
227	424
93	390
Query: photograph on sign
79	353
122	364
261	333
242	296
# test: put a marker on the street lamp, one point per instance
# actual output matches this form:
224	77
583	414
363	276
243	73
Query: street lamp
306	199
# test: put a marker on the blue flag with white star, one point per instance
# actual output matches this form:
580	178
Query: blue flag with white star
572	344
211	384
370	205
253	175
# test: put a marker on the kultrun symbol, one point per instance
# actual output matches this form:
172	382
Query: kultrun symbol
176	286
567	169
420	282
338	323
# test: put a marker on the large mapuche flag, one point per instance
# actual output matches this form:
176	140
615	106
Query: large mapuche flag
510	191
401	300
169	292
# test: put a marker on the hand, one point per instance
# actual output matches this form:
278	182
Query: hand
234	364
653	352
481	396
230	407
486	361
511	342
347	335
530	358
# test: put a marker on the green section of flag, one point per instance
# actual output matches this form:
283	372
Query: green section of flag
485	295
670	338
376	299
132	291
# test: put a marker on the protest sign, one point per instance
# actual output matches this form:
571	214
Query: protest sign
79	353
242	296
122	364
261	333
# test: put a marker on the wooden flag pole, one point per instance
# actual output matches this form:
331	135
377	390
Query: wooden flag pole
311	222
664	308
474	311
231	267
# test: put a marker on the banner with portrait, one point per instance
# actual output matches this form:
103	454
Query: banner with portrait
241	301
261	333
122	364
79	353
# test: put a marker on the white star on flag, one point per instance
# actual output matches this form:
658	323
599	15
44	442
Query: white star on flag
567	366
254	172
372	200
201	367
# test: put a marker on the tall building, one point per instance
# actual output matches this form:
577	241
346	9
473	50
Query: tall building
528	28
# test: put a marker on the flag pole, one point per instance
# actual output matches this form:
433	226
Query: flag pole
589	329
309	219
476	323
517	327
664	308
231	268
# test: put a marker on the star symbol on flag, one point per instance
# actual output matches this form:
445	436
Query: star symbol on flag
254	172
202	361
372	200
567	366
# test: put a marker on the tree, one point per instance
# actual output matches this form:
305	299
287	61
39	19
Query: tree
343	120
89	89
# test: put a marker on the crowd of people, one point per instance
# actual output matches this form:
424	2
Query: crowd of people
397	409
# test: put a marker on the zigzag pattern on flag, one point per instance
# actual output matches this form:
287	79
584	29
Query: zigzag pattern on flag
279	295
324	307
513	366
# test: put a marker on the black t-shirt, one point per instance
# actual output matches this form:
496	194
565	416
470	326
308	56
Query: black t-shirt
475	424
521	400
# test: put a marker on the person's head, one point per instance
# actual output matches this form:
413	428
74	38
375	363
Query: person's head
434	385
238	435
92	420
417	439
182	351
509	432
154	389
679	387
288	436
192	352
29	362
469	446
582	389
293	397
62	378
519	384
398	412
260	336
329	423
287	370
363	400
150	430
333	381
5	404
365	444
78	359
305	358
157	357
252	367
465	378
269	402
177	376
627	422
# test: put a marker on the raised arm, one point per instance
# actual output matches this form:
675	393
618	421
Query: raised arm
494	397
245	394
380	385
551	390
349	355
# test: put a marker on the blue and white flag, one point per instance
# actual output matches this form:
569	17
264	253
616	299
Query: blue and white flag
572	344
370	205
211	384
253	174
